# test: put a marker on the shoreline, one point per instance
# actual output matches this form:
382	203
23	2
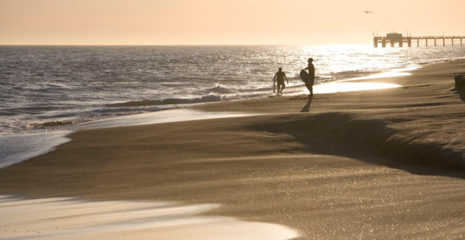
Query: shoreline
358	164
29	145
59	135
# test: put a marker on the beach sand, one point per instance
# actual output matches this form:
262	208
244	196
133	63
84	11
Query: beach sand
67	218
384	164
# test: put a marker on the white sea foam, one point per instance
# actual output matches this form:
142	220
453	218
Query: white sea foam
17	148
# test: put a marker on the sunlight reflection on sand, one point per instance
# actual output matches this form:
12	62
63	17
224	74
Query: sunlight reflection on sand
352	86
67	218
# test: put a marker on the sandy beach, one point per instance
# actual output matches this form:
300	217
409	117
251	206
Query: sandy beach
382	164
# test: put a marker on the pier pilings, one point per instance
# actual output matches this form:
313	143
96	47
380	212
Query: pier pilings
392	39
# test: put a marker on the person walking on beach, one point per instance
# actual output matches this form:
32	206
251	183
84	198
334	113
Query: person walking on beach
279	78
311	76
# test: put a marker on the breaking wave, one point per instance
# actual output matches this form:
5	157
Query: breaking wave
220	89
51	124
171	101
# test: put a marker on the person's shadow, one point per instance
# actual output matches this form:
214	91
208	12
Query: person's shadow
306	108
460	86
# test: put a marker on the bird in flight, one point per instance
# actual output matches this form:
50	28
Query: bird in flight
368	12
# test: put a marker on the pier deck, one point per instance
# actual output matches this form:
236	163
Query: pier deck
393	38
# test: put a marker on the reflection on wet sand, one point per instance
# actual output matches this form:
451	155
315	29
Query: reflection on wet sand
352	86
346	87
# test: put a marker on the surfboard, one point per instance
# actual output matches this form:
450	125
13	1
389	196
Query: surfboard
274	86
304	76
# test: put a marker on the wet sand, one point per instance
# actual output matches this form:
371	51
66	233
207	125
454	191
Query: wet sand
384	164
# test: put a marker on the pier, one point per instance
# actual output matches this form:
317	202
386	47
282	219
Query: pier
393	38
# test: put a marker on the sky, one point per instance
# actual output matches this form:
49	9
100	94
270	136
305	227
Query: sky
222	22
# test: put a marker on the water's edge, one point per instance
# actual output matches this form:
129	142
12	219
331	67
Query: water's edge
18	148
21	147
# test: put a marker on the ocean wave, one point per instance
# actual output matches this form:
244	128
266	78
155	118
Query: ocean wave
350	74
171	101
325	77
220	89
51	124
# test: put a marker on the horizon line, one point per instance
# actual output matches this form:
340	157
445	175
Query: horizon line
171	45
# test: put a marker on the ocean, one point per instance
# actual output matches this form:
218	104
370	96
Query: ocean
48	89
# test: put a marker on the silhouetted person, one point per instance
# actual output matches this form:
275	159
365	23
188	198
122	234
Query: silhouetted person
279	78
311	74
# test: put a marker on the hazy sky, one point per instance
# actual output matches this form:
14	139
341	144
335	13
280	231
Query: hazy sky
156	22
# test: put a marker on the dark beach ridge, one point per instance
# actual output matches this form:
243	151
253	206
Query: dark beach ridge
384	164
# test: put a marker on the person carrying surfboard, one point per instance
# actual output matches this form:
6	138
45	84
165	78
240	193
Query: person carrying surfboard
279	78
311	76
